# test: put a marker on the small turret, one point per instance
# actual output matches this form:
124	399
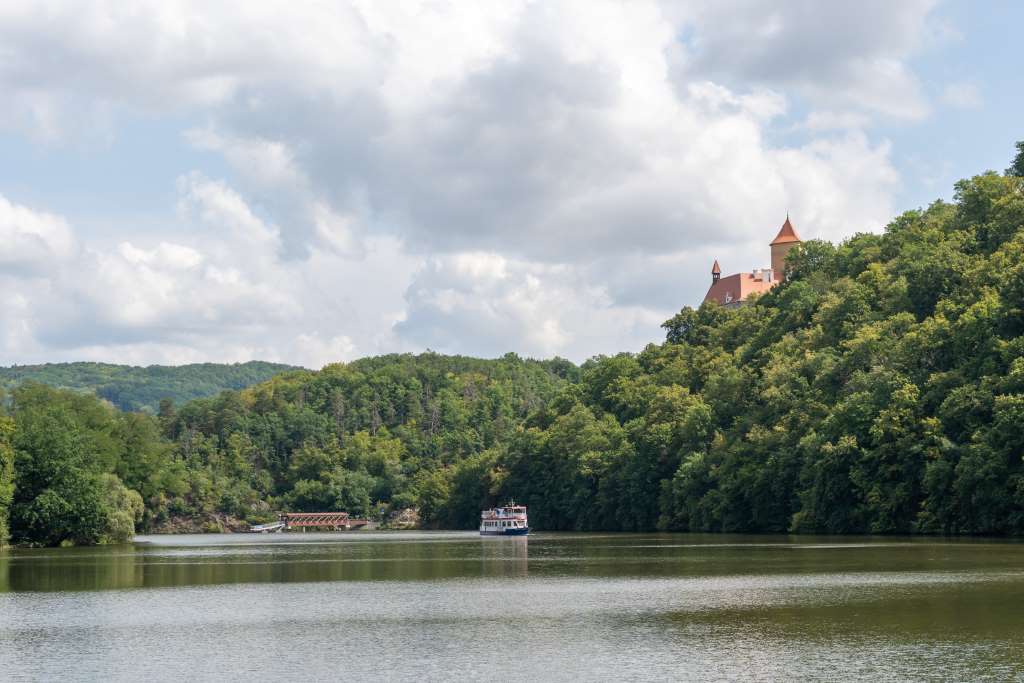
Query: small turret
716	272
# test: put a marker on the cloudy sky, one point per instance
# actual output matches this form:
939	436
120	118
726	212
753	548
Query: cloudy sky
312	182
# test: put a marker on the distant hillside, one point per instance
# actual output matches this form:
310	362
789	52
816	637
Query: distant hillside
136	388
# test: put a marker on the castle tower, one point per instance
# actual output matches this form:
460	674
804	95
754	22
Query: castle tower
716	272
783	242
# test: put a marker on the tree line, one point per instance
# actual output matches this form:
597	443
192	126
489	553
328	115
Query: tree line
878	389
142	388
370	437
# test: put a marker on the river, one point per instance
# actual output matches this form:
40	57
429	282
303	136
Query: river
455	606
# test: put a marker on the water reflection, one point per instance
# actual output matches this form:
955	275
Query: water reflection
505	556
186	560
224	559
548	606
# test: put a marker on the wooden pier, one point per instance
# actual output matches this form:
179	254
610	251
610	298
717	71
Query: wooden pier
330	521
296	521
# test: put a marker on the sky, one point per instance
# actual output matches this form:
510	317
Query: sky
315	182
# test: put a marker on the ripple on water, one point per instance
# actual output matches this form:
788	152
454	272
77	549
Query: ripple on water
551	608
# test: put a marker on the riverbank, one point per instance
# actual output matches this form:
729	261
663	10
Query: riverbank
217	523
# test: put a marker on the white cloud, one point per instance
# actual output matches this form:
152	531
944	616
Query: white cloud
539	177
270	172
222	209
32	241
838	186
487	304
227	295
836	55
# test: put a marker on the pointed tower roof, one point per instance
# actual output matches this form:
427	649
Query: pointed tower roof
786	234
715	268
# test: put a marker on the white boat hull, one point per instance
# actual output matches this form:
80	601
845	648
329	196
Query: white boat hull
505	532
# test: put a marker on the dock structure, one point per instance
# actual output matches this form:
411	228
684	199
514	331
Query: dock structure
332	521
300	521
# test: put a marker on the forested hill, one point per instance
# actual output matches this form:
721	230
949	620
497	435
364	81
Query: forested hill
878	389
141	388
388	432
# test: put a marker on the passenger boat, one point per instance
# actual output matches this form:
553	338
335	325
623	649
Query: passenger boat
509	520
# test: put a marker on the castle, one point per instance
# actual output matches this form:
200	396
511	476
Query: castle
734	290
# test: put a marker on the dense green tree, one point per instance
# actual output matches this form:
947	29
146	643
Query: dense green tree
124	509
67	448
6	475
59	495
1017	167
135	388
878	389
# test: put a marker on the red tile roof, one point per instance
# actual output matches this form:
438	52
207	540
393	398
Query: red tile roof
736	288
786	234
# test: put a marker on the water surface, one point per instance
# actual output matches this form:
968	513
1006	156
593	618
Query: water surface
434	606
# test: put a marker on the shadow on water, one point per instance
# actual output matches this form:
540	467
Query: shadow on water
192	560
169	561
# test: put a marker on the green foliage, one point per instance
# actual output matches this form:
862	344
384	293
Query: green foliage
124	509
810	259
369	437
879	389
143	389
65	449
6	476
1017	167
